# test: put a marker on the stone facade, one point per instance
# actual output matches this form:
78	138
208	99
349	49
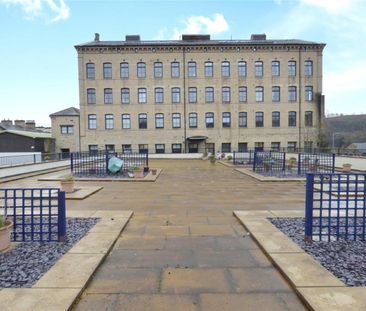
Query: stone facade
290	66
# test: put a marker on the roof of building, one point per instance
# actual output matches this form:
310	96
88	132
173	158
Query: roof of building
196	40
32	134
72	111
358	146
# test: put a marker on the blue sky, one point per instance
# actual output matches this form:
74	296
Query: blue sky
38	63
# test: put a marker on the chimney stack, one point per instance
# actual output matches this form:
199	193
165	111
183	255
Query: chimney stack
19	123
30	125
6	122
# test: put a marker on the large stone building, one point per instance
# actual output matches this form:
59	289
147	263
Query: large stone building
194	94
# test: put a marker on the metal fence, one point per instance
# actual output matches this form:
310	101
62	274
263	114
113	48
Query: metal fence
335	207
315	163
95	163
243	158
38	214
269	162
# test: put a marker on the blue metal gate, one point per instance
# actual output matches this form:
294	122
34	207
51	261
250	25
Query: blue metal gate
38	214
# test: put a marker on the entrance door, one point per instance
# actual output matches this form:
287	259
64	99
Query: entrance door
65	153
193	148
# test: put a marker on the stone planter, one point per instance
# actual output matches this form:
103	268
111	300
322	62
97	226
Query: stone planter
138	173
67	186
5	235
154	171
346	167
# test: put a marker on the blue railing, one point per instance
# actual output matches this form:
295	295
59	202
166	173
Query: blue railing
335	207
243	158
269	162
95	163
38	214
315	163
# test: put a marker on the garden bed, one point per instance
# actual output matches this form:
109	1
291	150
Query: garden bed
26	262
344	258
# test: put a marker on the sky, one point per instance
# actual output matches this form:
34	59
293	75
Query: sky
38	61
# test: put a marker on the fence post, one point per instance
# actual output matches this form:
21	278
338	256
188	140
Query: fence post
61	216
147	159
254	160
299	164
234	162
72	162
309	201
284	162
333	163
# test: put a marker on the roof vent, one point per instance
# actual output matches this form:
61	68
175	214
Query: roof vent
258	37
195	37
96	37
132	37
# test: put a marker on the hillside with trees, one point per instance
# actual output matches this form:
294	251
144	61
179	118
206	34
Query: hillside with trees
348	129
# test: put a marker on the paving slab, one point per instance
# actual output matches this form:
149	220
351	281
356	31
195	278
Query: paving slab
211	230
38	299
193	281
262	178
335	299
167	231
94	243
276	242
83	192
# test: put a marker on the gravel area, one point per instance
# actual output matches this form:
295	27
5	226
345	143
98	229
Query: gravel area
345	259
24	264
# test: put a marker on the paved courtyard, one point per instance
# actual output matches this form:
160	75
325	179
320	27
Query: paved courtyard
183	249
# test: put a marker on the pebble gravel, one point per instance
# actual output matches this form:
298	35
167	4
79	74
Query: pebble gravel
344	258
24	264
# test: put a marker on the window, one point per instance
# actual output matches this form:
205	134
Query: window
193	120
258	69
308	146
159	95
107	71
92	121
209	119
242	147
242	94
259	119
258	146
109	121
209	94
126	148
242	69
243	121
109	147
93	149
308	118
176	120
275	146
143	148
160	148
225	69
192	69
308	93
124	70
210	148
208	69
292	68
292	118
158	70
67	129
291	146
142	96
292	93
108	96
159	120
259	93
308	68
175	95
90	71
175	71
226	94
275	68
125	96
276	116
91	96
276	93
226	119
142	121
192	95
141	70
226	147
176	148
126	121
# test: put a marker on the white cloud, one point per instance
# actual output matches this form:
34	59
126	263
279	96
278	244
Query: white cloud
332	6
51	10
202	24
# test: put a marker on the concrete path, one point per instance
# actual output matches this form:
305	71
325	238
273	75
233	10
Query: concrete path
183	249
